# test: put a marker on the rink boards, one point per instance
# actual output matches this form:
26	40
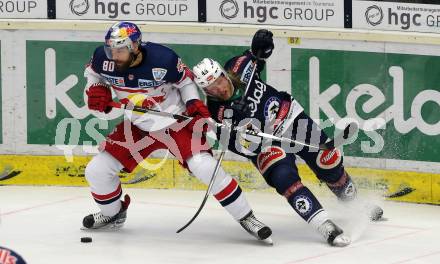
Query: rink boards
56	171
387	81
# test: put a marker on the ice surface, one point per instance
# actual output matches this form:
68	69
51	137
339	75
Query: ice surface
43	225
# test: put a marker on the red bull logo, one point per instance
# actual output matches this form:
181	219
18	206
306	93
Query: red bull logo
130	30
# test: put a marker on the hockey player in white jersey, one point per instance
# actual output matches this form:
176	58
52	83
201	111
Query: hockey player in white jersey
150	75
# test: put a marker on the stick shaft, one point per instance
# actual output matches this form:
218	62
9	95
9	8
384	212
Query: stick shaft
329	145
211	183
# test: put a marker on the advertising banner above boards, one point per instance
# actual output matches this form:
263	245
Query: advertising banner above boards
307	13
23	9
423	16
150	10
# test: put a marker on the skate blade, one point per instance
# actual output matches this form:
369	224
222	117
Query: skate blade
341	241
382	219
109	227
268	241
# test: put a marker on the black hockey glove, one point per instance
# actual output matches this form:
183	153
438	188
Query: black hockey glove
262	44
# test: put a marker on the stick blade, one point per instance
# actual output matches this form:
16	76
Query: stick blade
196	214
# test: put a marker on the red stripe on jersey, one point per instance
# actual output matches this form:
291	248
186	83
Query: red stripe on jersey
103	197
228	190
128	90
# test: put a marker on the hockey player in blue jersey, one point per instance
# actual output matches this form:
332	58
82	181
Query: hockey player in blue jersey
153	76
265	108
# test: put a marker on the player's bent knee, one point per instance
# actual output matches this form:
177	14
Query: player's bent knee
101	166
329	165
282	177
202	165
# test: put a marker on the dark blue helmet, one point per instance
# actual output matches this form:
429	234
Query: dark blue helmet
122	35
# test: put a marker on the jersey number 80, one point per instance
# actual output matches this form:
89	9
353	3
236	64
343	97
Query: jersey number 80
108	66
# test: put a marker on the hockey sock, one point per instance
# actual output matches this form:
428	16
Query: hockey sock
225	189
102	176
344	188
303	202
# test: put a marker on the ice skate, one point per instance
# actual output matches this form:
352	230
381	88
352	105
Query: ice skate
333	234
256	228
100	221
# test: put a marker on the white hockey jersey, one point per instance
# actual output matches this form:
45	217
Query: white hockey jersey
161	76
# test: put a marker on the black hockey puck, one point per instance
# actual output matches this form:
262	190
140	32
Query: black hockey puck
86	239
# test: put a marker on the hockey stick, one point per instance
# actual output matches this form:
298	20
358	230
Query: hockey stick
337	141
400	193
214	175
349	131
243	98
179	117
148	111
211	183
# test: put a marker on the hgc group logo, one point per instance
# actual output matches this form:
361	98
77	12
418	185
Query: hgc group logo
374	15
392	15
79	7
229	9
327	13
133	9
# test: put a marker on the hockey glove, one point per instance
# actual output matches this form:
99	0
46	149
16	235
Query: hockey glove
99	97
196	107
262	44
198	110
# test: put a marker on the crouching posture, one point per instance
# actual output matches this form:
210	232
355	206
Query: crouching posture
262	107
152	76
